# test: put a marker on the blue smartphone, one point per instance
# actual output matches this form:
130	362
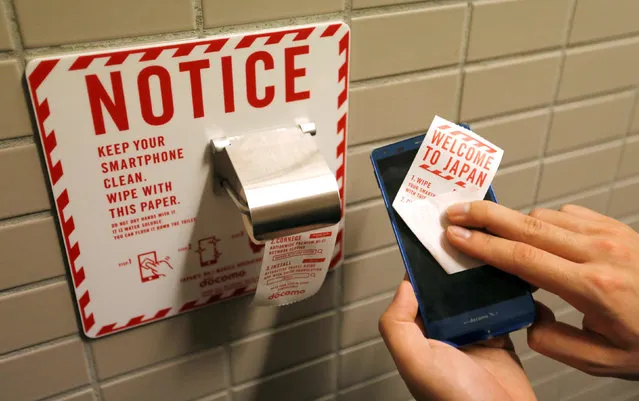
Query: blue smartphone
460	308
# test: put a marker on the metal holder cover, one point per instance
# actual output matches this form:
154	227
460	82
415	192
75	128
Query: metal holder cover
278	180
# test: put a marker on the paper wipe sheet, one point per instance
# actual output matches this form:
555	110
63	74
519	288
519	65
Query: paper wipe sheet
453	165
294	267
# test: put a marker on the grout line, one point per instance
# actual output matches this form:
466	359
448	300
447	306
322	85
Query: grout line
368	300
7	54
574	196
36	347
630	180
17	141
199	17
69	394
608	144
361	345
370	381
369	146
603	43
228	371
329	397
509	59
23	218
399	8
348	11
405	76
635	103
364	204
109	44
560	71
603	40
630	219
282	372
272	24
600	142
364	254
339	293
519	167
545	379
461	78
212	396
93	376
33	285
576	396
158	365
551	106
14	27
275	330
376	252
513	56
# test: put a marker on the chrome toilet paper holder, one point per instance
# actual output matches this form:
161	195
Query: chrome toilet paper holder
278	180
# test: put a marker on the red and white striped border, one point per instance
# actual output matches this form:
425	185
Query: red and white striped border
468	138
42	112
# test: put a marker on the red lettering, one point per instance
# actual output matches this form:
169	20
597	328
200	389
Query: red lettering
437	137
291	73
446	143
144	90
194	69
116	106
227	84
251	79
460	150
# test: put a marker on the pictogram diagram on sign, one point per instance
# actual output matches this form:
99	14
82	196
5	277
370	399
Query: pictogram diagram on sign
125	136
151	268
207	248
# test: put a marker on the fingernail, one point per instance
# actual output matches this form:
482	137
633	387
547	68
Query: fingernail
458	209
460	232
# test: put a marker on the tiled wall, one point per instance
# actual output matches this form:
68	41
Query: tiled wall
554	82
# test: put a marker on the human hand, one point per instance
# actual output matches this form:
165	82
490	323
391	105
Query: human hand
586	258
433	370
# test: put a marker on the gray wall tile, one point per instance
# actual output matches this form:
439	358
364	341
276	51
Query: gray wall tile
173	381
364	362
36	315
304	383
39	373
79	21
14	114
360	320
267	353
375	39
415	102
21	265
371	274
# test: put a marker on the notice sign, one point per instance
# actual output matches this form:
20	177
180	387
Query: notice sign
126	138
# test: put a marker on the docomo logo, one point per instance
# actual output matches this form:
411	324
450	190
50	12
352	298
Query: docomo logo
221	279
159	87
286	293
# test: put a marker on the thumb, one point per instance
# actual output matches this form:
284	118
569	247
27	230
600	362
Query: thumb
398	327
586	351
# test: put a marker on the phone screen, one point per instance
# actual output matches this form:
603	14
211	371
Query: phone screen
443	295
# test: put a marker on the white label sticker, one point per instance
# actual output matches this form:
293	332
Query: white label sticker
452	165
294	267
450	158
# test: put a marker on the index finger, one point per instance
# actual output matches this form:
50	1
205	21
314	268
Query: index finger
539	268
